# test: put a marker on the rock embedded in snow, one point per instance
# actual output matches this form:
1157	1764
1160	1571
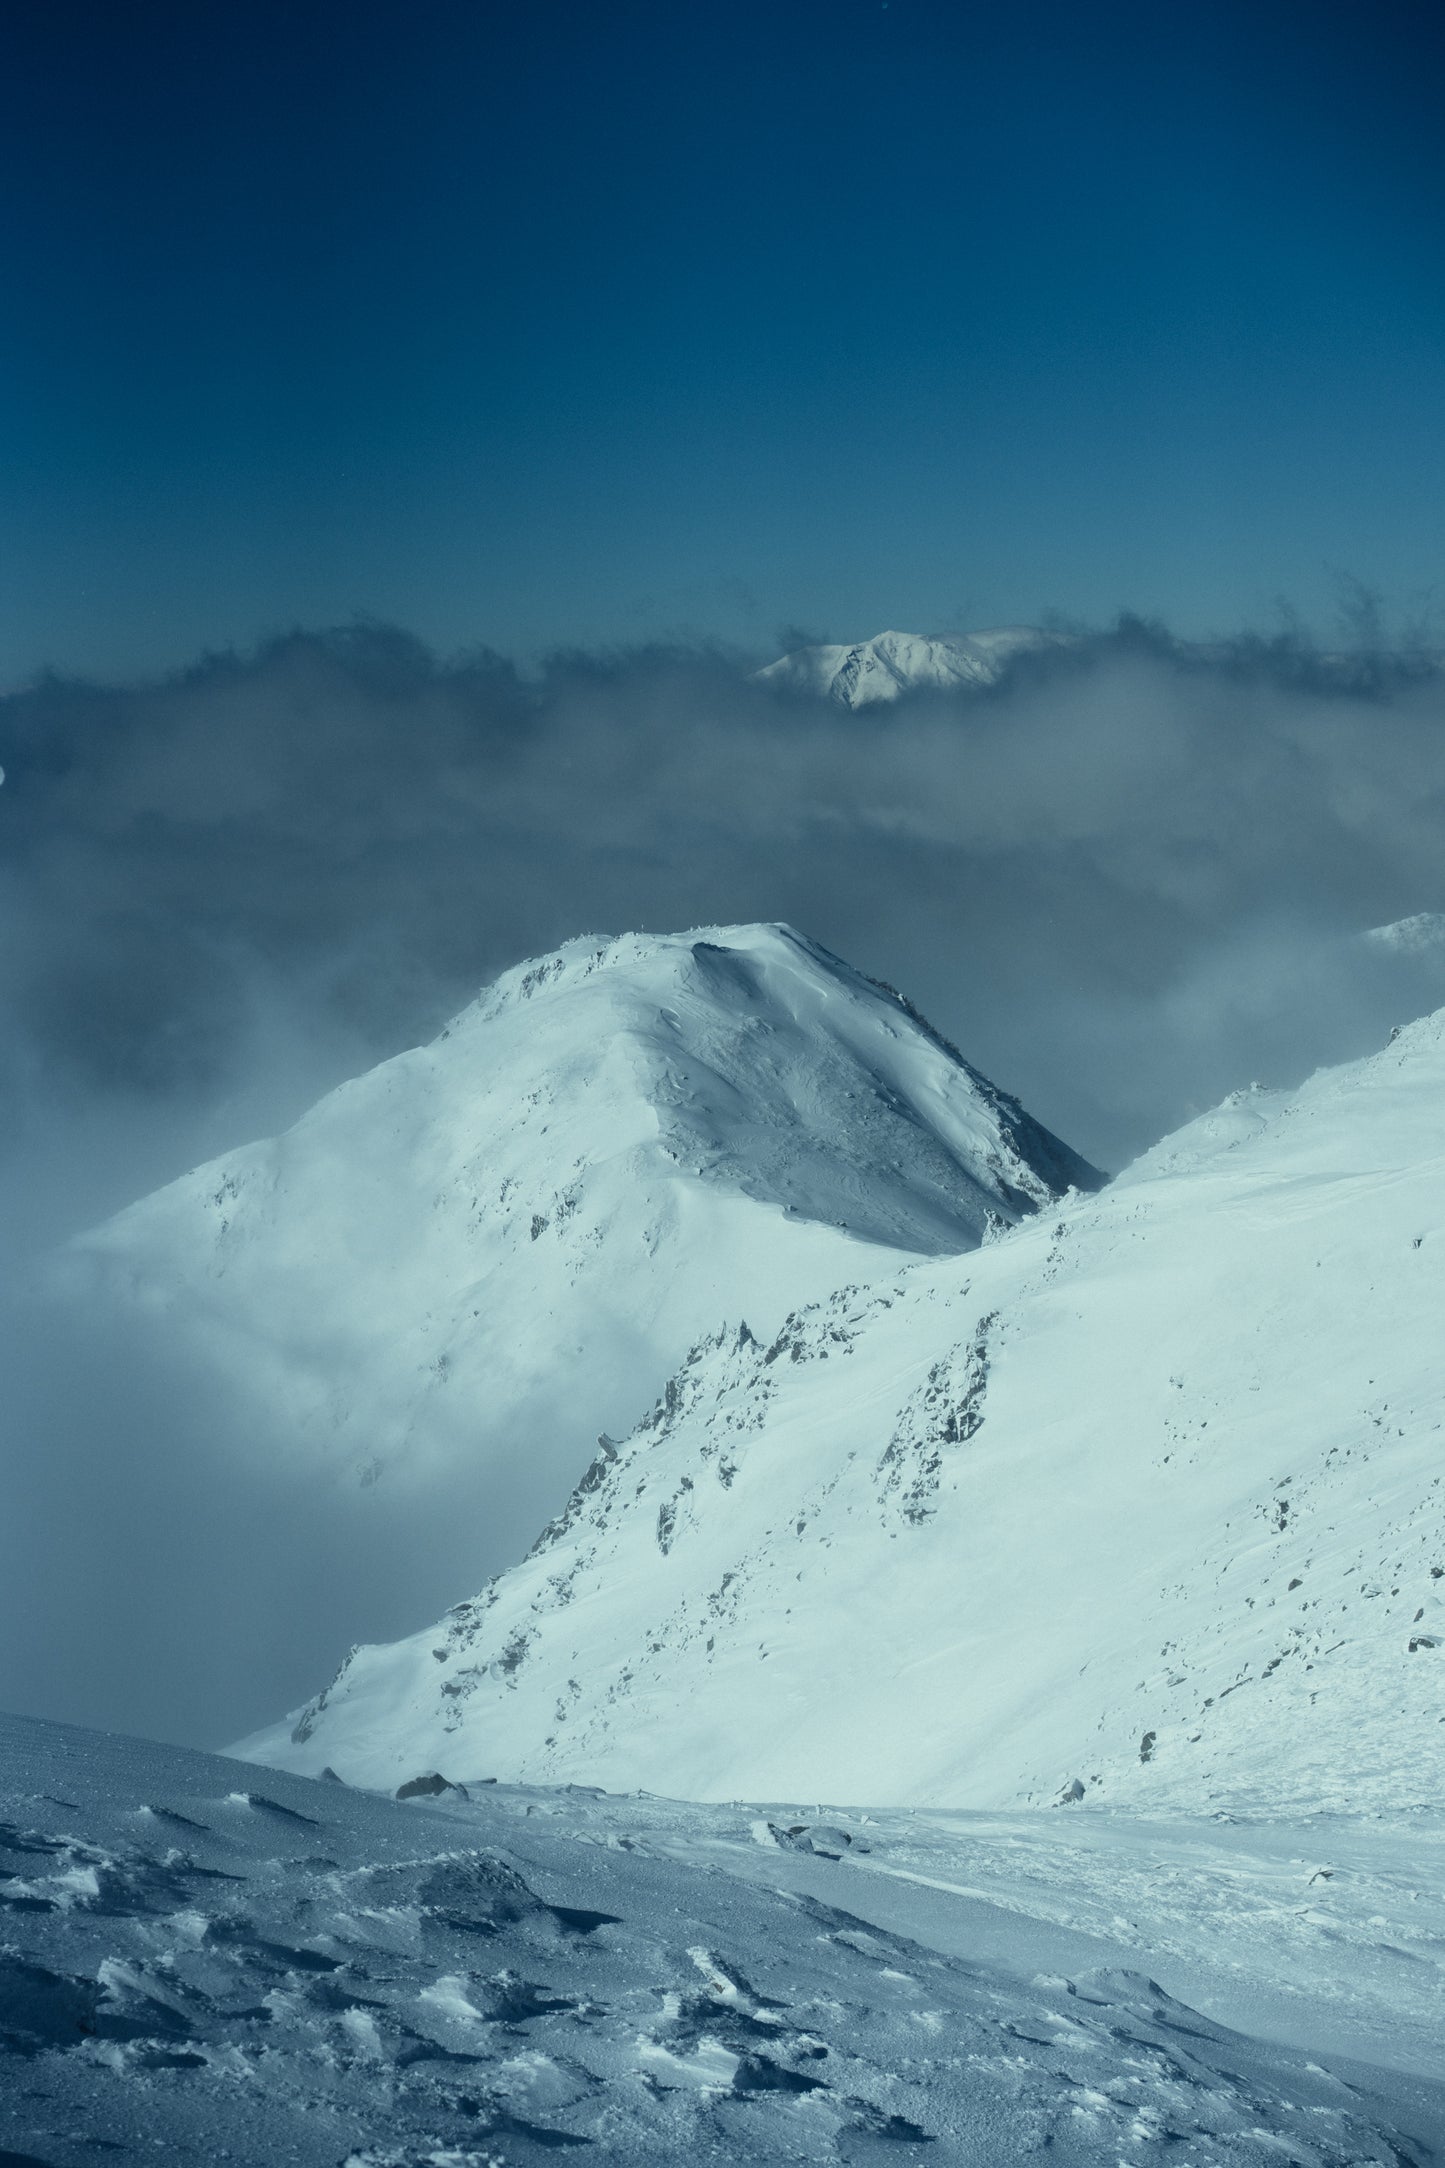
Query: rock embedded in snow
431	1786
820	1838
485	1251
1163	1469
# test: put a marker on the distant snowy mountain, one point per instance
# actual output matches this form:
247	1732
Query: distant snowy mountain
493	1247
893	663
1145	1503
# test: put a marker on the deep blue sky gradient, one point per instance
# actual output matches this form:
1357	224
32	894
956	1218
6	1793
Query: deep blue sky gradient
545	324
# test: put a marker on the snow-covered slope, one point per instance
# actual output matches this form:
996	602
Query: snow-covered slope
1145	1501
498	1245
199	1965
892	663
1422	934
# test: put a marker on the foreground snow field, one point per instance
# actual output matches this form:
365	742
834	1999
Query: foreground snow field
1144	1501
202	1960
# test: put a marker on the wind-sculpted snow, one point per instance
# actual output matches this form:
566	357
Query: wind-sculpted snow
1144	1501
491	1248
206	1963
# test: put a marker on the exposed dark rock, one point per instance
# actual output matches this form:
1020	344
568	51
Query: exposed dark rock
429	1786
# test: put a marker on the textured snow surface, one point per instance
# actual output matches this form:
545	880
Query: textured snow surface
205	1961
892	663
499	1244
1144	1501
1417	935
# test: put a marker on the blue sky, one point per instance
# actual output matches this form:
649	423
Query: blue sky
537	325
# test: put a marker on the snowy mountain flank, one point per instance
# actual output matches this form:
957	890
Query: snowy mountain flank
1143	1503
893	663
493	1247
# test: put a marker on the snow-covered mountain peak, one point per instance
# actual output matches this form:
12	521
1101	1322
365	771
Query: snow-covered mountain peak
488	1249
892	663
771	1068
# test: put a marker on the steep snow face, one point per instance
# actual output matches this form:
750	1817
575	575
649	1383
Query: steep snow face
1145	1502
501	1243
892	663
